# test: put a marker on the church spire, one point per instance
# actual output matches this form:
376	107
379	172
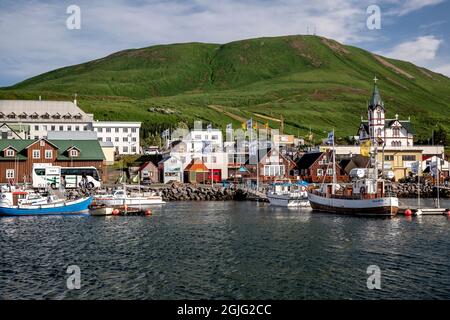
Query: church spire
376	97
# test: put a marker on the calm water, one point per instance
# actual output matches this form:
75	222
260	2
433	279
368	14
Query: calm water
224	250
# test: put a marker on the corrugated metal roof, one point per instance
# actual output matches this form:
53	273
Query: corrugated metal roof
30	107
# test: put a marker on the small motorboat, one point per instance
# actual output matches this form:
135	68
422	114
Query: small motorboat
289	194
21	203
100	210
120	198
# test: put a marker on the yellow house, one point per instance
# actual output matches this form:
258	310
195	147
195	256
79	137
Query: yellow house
399	161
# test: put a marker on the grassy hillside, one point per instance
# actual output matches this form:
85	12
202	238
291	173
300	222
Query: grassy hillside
310	80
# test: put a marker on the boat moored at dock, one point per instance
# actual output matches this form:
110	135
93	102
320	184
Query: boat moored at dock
120	198
288	194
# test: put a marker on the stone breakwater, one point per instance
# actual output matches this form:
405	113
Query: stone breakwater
192	193
410	190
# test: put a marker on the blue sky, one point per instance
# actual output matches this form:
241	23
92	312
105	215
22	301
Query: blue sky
34	38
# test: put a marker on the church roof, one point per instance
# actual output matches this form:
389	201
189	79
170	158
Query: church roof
404	123
376	99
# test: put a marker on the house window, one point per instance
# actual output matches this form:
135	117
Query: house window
108	139
125	139
133	130
53	128
409	157
48	154
274	170
125	130
10	174
10	153
99	129
319	172
69	128
36	154
389	158
74	153
44	127
77	128
214	137
125	149
108	129
133	149
116	139
133	139
379	132
116	130
61	128
329	172
36	128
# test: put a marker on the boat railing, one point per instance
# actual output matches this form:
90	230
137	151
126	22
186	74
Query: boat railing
353	197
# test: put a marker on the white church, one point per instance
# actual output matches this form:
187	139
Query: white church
388	132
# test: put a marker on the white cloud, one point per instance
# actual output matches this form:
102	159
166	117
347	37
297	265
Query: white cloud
420	51
408	6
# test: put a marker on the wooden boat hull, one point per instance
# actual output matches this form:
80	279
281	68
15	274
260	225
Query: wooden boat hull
387	206
69	207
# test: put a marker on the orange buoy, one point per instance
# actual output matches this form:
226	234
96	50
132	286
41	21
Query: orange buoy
116	212
148	212
448	212
408	212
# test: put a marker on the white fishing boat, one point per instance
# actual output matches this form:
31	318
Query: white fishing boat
100	210
367	195
120	198
287	194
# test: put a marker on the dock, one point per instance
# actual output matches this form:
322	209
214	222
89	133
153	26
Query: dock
424	211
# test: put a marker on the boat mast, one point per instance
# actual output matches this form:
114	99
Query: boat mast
334	166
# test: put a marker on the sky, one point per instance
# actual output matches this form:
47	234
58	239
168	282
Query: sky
34	37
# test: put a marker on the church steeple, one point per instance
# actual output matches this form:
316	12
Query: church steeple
376	97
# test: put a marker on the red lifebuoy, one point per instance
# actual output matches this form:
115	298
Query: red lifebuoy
408	212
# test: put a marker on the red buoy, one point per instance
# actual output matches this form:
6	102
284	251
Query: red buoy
408	212
148	212
116	212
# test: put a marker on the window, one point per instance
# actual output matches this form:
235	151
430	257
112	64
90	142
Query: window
116	139
99	129
69	128
36	128
108	129
329	172
85	128
133	130
389	158
61	128
198	137
36	154
108	139
44	127
125	149
273	170
215	137
133	149
77	128
10	174
74	153
53	128
116	130
379	132
319	172
125	139
409	157
133	139
100	139
9	152
214	159
48	154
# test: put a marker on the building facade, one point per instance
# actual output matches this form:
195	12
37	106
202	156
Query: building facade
123	135
17	157
31	119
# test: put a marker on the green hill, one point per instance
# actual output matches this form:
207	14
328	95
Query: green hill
310	80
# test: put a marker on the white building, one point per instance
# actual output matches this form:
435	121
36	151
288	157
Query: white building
36	118
33	119
123	134
390	132
206	145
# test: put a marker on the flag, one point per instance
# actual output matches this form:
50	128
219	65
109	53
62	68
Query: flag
244	125
330	139
415	167
266	126
365	148
249	124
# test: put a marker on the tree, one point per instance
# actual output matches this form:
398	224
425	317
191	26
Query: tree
440	135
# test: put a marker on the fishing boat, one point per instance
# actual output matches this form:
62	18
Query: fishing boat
120	198
288	194
16	203
367	195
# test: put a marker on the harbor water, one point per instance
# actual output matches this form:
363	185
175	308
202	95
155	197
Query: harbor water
225	250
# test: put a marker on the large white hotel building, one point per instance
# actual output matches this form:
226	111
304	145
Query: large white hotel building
34	119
